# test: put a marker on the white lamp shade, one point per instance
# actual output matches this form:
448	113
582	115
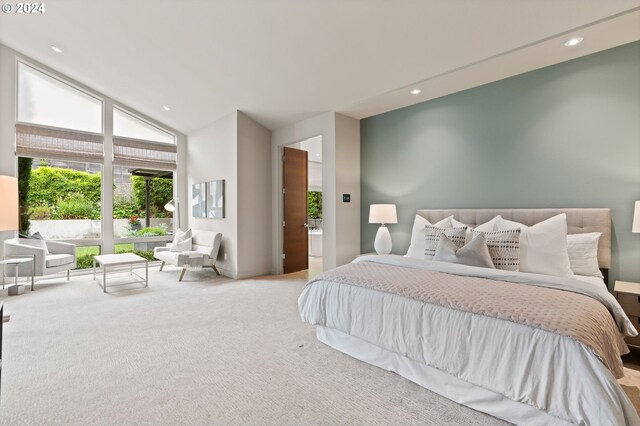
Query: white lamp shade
170	206
383	213
636	219
9	207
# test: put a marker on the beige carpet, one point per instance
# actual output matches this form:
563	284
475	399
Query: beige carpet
198	352
204	351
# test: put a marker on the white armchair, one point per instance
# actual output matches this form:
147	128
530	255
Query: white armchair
205	248
61	257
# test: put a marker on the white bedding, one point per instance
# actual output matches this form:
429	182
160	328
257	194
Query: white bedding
544	370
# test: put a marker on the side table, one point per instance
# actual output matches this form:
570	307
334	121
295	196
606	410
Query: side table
16	261
628	295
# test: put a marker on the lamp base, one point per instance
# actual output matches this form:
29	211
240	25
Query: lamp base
383	242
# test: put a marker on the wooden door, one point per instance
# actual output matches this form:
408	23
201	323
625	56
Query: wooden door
296	236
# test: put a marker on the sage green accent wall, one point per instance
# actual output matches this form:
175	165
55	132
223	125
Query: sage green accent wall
567	135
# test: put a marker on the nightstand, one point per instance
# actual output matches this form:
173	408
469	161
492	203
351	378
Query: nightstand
628	295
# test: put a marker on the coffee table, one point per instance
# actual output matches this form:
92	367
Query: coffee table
106	261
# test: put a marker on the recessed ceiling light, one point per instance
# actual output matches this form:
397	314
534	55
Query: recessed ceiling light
166	108
415	91
56	49
317	155
573	41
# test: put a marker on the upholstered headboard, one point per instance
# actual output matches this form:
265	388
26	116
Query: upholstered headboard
578	221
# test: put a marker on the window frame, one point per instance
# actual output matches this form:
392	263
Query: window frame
106	243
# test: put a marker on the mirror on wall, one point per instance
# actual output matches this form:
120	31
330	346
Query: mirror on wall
215	199
198	203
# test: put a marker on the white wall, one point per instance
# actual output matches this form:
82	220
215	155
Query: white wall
211	155
340	242
236	149
7	121
347	173
254	198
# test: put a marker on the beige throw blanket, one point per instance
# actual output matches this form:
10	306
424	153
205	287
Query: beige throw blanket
576	316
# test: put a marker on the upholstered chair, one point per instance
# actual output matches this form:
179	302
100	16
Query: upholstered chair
57	257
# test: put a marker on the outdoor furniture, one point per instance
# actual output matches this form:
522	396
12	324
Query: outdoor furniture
61	256
203	252
120	259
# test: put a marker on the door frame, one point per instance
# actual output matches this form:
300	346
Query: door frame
279	153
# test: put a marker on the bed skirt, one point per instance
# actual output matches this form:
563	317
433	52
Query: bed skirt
437	381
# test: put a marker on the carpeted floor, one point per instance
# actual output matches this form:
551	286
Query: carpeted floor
205	351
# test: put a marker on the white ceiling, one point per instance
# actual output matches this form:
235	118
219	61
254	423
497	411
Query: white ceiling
281	61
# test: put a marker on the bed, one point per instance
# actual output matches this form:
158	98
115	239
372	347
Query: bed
528	348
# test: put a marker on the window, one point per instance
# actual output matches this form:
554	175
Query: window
139	199
60	148
47	101
128	126
60	199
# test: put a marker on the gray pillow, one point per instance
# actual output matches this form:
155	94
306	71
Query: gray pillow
432	236
474	253
504	247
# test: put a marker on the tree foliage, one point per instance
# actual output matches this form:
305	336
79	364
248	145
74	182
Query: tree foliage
314	204
24	176
160	193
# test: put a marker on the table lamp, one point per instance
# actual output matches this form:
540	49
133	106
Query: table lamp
382	214
636	219
9	210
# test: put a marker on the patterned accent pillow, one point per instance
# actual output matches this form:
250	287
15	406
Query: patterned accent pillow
432	236
504	247
474	253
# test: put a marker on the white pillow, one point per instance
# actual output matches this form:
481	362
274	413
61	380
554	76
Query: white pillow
181	246
181	235
417	245
543	246
489	226
583	254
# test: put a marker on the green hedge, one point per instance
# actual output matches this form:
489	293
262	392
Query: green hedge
60	193
48	186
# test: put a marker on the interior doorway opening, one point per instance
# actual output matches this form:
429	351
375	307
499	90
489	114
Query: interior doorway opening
313	214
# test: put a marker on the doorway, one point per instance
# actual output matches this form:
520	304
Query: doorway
311	209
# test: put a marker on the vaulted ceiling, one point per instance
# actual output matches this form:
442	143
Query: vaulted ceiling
281	61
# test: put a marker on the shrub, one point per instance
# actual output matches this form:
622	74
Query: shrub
50	185
314	204
124	208
40	212
85	261
75	207
152	231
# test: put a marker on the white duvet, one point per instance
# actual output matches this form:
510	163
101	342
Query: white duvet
550	372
